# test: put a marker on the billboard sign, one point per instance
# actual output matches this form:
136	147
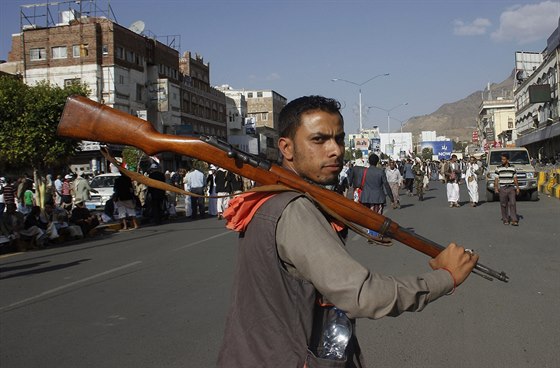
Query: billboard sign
361	144
490	137
376	144
475	136
442	149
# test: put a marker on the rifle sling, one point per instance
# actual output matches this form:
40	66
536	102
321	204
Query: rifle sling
140	178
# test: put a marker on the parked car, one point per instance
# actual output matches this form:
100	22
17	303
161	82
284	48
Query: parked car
104	185
526	173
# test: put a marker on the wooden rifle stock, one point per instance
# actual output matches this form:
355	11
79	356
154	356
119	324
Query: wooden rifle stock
85	119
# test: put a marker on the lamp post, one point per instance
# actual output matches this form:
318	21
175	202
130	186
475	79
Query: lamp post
360	91
388	111
402	123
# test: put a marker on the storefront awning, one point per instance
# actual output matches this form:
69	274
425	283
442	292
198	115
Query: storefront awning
539	135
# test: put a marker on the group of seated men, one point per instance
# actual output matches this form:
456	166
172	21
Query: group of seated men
43	227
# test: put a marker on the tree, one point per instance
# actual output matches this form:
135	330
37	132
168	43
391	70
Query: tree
29	116
427	153
133	157
460	146
352	154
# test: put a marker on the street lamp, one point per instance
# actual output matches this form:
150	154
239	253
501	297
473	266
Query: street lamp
402	123
360	91
388	111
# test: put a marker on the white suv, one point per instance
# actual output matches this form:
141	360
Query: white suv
526	174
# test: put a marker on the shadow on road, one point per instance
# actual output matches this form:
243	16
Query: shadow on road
41	270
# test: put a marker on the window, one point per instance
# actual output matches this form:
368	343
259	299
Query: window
510	123
121	79
130	56
139	92
38	54
119	52
80	51
59	52
264	116
250	95
259	94
105	49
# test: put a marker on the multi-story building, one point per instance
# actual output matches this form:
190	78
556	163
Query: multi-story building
536	99
264	106
203	106
394	145
496	118
241	130
122	67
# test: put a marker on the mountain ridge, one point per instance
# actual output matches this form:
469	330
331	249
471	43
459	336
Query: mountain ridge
457	120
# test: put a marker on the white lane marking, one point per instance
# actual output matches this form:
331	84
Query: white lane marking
57	289
203	240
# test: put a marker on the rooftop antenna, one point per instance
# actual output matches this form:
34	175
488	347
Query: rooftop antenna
137	27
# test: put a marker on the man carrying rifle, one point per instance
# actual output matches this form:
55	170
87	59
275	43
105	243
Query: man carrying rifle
293	270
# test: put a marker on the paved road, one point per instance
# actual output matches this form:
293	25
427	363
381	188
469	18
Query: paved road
157	296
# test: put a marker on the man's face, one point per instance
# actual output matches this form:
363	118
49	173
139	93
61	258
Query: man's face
504	160
316	152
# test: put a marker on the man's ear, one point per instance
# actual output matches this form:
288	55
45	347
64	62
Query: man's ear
286	147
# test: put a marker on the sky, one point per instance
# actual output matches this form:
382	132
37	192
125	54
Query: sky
435	51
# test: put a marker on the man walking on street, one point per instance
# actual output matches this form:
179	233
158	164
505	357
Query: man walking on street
452	174
196	183
293	270
408	175
82	189
506	185
471	175
419	173
395	179
375	188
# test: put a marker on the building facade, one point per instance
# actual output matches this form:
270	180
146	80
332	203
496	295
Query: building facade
124	69
264	106
241	130
536	100
496	122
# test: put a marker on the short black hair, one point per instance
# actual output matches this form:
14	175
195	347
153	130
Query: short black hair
373	159
505	154
289	117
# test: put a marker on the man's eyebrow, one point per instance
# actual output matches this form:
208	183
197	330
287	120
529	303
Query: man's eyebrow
327	135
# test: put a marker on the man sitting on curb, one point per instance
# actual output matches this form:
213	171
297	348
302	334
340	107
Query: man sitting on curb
83	218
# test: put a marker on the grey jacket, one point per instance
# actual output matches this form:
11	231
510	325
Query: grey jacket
376	186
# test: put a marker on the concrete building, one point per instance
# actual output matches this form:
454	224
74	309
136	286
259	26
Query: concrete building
241	130
123	68
394	145
263	106
496	119
428	136
536	99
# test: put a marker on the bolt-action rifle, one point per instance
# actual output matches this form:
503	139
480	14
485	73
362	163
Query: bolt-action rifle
85	119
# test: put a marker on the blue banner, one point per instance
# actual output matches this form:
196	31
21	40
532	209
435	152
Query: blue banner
442	149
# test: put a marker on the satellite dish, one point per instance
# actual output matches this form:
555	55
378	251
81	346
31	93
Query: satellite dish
137	27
